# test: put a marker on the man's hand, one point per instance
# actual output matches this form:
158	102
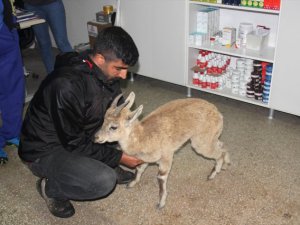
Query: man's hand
130	161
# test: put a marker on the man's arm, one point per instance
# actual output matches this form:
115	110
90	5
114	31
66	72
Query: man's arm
130	161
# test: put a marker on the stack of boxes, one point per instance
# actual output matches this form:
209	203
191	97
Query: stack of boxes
94	28
207	24
208	20
104	18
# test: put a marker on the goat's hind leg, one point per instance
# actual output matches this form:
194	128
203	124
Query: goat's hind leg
139	171
222	159
226	160
214	151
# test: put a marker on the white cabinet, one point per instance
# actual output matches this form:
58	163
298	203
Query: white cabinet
285	92
158	28
232	16
283	50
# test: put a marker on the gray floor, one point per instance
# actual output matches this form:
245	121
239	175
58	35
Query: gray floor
262	186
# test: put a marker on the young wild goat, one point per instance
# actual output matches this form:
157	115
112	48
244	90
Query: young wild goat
156	138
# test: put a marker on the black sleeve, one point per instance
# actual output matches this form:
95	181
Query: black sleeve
67	111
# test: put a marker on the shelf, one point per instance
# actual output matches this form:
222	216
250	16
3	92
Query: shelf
242	8
226	92
31	22
267	55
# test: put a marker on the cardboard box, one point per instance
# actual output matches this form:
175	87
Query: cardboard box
229	36
94	28
103	18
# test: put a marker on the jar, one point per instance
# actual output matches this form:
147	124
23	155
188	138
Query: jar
209	68
196	78
244	29
257	67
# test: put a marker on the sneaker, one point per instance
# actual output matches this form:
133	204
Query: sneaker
14	141
58	208
3	157
123	176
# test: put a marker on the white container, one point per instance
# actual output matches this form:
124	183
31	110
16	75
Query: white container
228	83
235	90
249	62
242	92
257	41
240	63
244	29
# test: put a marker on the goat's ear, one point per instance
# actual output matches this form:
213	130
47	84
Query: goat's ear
134	115
130	100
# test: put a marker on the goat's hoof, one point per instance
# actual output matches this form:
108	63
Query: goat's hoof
131	184
160	206
210	177
224	167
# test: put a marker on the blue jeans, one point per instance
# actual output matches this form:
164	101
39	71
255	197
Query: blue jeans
54	14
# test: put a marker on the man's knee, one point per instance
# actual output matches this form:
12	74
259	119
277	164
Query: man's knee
104	182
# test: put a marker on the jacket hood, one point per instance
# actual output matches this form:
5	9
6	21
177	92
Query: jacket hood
85	64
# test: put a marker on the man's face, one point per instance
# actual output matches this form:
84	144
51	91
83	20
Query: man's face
112	69
115	69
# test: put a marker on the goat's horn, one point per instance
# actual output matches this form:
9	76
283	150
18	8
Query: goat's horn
119	108
130	100
115	102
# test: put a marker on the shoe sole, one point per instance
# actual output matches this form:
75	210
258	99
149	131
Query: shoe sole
39	189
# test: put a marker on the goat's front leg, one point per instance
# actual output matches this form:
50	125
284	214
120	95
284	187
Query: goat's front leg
162	177
139	171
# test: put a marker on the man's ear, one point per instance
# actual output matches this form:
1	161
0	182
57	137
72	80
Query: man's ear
100	60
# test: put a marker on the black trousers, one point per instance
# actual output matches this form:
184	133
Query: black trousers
74	177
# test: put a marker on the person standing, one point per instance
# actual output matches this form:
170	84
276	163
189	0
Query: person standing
53	12
12	83
57	138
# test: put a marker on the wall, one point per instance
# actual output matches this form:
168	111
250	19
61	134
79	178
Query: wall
78	13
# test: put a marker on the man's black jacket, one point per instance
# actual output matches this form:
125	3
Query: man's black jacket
66	111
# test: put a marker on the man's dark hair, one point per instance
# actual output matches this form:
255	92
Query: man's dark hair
115	43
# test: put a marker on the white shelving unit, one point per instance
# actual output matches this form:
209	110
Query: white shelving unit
231	16
160	30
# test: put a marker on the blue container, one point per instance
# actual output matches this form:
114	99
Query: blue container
265	100
269	69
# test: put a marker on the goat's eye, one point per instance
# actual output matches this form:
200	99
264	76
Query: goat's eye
114	127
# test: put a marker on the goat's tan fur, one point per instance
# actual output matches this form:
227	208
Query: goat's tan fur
155	138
